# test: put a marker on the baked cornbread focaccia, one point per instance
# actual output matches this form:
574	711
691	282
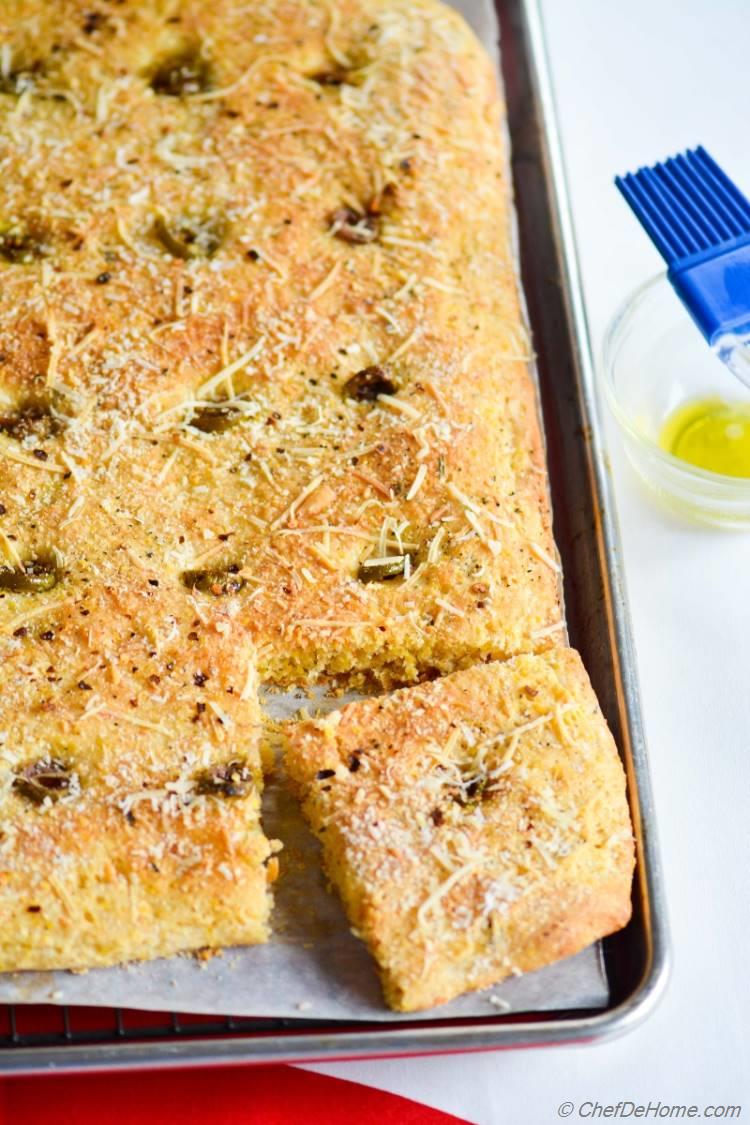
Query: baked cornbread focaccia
260	329
130	782
475	827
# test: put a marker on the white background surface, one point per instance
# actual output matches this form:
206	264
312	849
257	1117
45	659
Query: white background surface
637	80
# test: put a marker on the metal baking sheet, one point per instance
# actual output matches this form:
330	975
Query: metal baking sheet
632	962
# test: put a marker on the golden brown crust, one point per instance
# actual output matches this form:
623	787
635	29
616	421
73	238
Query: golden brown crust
387	108
475	827
130	782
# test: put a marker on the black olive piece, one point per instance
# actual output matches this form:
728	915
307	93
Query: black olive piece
48	777
330	78
22	245
36	577
382	571
367	384
189	238
93	21
182	74
356	227
216	582
321	775
32	418
234	779
214	418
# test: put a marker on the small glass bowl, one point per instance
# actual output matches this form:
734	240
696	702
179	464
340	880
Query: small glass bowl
655	360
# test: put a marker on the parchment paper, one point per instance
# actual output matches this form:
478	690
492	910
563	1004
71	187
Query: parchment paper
313	968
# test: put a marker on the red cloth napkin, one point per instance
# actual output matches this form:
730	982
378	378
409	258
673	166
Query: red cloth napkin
274	1095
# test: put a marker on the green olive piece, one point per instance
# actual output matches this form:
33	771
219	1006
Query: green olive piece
31	419
234	779
182	74
37	576
47	777
22	78
21	245
474	792
189	238
216	582
382	571
214	418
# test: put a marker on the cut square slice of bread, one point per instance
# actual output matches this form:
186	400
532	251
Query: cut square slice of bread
475	827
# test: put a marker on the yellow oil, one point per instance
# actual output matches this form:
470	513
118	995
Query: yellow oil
711	434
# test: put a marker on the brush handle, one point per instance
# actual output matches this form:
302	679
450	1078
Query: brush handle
715	289
734	351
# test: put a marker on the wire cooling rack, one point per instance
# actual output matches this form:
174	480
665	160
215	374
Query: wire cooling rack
46	1025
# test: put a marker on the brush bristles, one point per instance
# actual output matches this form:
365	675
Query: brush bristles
687	204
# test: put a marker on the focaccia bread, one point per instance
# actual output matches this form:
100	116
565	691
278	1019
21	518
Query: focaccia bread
264	402
475	827
260	323
130	780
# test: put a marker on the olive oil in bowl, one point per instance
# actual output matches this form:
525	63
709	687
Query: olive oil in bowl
682	415
710	434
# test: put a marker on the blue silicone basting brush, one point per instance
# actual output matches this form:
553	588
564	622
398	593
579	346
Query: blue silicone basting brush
699	221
